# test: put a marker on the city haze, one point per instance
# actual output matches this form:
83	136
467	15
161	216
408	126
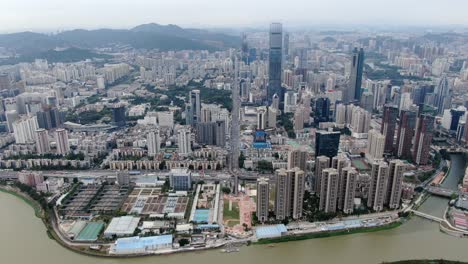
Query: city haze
52	15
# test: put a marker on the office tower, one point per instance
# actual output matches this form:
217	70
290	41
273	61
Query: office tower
423	139
205	115
123	178
262	118
322	110
61	140
194	108
24	129
184	141
405	134
451	118
460	132
340	114
286	48
245	49
205	133
153	141
180	179
235	129
355	82
395	178
290	188
275	102
375	145
220	133
321	163
297	158
389	121
42	141
442	98
118	115
329	190
44	119
263	199
275	60
326	143
272	115
348	189
377	188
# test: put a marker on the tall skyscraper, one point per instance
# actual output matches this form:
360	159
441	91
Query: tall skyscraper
275	61
388	127
235	129
153	141
327	143
286	48
61	140
290	188
322	110
347	192
329	190
423	139
42	141
355	82
378	186
184	141
395	180
263	199
442	98
118	115
194	108
297	158
405	134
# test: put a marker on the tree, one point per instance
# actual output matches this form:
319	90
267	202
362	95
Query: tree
75	180
241	160
226	190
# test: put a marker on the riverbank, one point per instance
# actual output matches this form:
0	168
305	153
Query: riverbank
327	234
426	261
38	212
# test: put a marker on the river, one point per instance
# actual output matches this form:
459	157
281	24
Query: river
23	240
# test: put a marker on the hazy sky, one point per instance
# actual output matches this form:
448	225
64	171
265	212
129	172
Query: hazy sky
19	15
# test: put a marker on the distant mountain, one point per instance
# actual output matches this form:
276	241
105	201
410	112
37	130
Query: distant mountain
66	55
148	36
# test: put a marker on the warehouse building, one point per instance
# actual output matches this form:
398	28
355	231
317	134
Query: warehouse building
122	226
138	245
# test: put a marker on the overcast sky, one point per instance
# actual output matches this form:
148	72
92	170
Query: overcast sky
20	15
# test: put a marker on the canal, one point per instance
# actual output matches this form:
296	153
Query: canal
23	240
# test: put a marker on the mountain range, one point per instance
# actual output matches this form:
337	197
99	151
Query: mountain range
146	36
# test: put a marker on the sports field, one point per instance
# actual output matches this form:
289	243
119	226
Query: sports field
90	232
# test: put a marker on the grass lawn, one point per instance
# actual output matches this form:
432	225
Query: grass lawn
233	214
233	223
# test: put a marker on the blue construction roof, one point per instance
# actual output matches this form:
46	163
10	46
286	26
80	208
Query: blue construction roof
136	242
201	216
353	223
270	231
336	227
261	145
208	226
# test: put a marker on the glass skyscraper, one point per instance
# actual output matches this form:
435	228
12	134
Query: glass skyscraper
357	65
274	61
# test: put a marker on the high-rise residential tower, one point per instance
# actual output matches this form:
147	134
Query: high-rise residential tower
153	141
378	186
61	139
423	139
263	199
388	127
329	190
394	186
405	134
42	141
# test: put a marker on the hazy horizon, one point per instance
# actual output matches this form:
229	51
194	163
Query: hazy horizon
53	15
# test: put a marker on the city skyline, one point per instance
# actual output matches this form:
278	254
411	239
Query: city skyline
52	15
